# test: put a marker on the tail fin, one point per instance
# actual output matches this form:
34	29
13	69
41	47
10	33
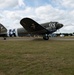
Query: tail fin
3	30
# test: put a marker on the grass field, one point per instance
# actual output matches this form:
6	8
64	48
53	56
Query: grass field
37	57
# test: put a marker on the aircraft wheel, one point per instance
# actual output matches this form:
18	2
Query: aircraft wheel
46	37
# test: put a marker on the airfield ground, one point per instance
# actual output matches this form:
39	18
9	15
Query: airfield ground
36	57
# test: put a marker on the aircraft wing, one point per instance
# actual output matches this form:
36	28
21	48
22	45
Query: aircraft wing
3	31
33	27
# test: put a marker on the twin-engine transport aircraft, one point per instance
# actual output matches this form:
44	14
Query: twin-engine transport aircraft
44	29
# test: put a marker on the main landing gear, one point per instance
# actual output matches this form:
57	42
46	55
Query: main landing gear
46	37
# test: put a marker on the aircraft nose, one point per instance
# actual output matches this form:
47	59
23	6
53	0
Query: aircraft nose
59	26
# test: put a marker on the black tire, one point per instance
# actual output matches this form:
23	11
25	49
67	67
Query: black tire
46	38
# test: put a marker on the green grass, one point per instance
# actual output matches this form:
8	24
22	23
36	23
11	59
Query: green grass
37	57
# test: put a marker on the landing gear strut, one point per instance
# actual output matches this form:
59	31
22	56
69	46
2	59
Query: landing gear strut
46	37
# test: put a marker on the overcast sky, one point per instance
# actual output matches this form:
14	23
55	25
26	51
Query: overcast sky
12	11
